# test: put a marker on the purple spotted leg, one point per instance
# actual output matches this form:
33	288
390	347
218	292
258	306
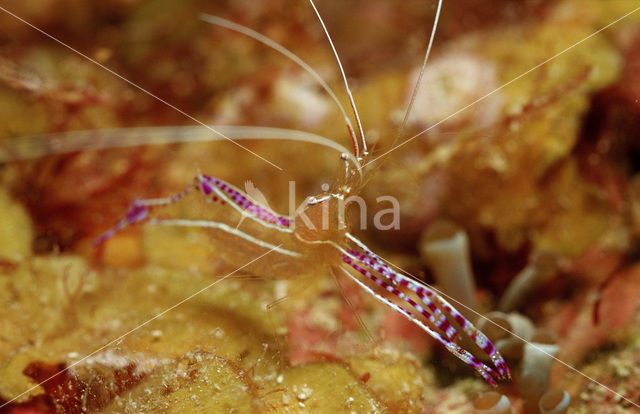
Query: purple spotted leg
214	189
430	299
218	189
424	292
486	372
138	212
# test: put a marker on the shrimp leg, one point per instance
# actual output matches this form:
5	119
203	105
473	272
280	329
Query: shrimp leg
211	187
138	212
486	372
425	293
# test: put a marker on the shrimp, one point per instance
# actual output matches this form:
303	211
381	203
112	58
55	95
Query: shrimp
317	234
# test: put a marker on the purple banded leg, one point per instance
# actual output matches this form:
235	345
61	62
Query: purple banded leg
138	212
477	336
425	293
215	187
212	188
486	372
436	316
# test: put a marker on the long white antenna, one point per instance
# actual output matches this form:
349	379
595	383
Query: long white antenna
346	84
424	65
227	24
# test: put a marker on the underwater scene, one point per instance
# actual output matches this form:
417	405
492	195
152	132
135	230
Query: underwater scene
320	206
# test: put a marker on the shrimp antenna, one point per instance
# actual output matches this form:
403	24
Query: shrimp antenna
424	65
227	24
346	84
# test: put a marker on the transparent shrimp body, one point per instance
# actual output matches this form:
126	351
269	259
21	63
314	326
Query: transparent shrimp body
315	237
242	229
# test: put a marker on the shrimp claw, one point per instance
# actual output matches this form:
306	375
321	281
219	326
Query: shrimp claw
211	187
433	307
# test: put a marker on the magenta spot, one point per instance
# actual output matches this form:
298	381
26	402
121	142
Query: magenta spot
136	213
206	187
444	325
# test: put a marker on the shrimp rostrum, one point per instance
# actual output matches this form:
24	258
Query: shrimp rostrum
316	233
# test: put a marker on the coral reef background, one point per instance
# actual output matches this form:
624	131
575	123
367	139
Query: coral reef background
540	178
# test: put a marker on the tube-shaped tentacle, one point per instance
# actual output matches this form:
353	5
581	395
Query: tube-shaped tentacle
433	300
486	372
535	370
444	247
554	402
492	402
542	266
